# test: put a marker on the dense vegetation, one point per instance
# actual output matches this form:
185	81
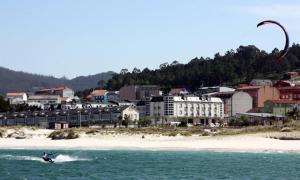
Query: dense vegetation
20	81
232	68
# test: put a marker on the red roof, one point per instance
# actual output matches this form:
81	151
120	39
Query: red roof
284	101
15	94
98	93
52	89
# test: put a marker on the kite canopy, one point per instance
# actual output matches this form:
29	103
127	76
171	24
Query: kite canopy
287	41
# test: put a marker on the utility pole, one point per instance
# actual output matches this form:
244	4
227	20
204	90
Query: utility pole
80	118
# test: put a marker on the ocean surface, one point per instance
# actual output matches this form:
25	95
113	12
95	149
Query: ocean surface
131	164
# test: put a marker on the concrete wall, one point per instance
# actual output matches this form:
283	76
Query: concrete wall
241	102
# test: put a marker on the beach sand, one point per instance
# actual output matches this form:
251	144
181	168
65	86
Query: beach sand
37	139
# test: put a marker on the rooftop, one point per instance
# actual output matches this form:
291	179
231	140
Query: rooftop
99	93
15	94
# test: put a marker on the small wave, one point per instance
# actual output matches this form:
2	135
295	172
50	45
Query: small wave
66	158
21	158
58	159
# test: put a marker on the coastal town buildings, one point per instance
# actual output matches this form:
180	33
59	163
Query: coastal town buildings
45	100
280	107
17	97
234	102
193	107
63	92
260	94
136	93
98	96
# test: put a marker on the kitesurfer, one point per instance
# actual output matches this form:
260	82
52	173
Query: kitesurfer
47	158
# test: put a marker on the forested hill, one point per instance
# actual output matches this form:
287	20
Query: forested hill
20	81
232	68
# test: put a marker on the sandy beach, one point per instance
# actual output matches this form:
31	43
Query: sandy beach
38	139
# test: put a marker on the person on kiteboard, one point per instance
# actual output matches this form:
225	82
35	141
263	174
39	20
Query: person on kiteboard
47	158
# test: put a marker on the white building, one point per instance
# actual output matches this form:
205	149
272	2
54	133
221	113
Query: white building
45	99
234	102
16	98
187	106
130	112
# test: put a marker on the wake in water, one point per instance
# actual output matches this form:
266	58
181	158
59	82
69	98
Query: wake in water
58	159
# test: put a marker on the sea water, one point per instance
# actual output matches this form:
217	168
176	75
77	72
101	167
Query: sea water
136	164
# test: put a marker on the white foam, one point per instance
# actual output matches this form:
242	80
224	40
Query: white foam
21	158
58	159
66	158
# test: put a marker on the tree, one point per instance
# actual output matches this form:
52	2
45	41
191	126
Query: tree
126	121
136	71
145	122
163	65
101	84
231	69
174	63
4	105
124	71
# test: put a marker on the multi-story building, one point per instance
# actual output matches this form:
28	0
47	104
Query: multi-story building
61	91
235	102
44	101
193	107
260	94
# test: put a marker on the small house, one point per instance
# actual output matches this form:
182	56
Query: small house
58	125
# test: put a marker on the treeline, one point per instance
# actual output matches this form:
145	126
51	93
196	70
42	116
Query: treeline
6	107
232	68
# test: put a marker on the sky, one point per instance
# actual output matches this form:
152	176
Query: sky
83	37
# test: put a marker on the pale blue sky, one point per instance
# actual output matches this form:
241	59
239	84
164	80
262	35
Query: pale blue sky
72	37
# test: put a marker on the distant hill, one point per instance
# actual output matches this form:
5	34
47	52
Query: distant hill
21	81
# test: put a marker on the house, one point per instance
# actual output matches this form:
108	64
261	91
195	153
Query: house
280	106
98	96
113	96
129	112
16	97
63	92
260	94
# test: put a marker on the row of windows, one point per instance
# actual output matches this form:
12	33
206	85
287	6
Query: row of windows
290	96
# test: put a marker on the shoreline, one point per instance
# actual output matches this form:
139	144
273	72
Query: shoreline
259	142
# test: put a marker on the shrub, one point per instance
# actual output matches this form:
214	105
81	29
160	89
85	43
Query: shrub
92	131
286	129
206	133
63	134
173	133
